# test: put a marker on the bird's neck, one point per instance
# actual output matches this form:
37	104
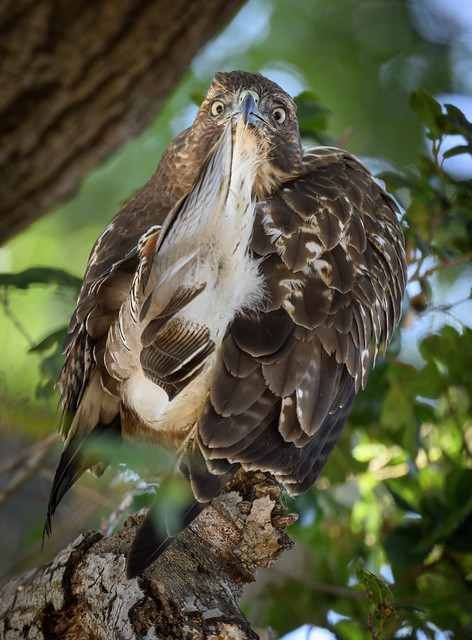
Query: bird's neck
183	158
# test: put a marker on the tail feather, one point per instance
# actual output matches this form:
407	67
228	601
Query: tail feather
205	484
149	544
153	536
68	471
74	461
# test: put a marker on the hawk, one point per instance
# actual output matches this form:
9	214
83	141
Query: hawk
231	310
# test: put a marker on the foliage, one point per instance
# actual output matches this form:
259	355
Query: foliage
49	348
404	502
396	490
380	596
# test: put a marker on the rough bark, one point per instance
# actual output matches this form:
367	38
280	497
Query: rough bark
77	79
190	592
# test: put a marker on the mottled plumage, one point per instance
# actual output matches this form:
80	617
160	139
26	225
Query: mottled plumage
234	306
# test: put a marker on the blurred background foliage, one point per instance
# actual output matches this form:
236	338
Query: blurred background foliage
396	492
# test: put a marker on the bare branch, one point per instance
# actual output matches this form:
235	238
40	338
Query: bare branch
191	591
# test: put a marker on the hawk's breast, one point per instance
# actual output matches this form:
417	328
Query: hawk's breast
205	258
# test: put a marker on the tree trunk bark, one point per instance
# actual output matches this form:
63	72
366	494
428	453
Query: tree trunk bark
79	78
190	592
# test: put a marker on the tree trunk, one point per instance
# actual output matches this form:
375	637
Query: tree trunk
190	592
79	78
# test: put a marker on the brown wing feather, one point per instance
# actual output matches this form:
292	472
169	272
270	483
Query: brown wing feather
289	371
276	392
176	355
129	235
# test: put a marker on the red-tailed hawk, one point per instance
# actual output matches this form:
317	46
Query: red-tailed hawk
232	308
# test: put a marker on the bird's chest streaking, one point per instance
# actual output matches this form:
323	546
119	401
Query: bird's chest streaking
201	274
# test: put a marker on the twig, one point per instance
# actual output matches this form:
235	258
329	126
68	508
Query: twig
109	525
438	267
345	592
344	137
17	324
30	464
333	589
9	465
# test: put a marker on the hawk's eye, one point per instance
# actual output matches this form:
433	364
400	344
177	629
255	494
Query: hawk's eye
217	107
279	114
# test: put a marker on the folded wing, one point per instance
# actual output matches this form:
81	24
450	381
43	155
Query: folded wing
288	372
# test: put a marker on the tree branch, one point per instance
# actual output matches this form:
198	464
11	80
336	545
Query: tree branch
190	592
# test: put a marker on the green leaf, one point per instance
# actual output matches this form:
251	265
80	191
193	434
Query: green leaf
456	123
381	596
397	411
41	275
428	110
455	112
457	487
369	402
419	217
457	151
53	339
377	591
399	180
312	117
453	351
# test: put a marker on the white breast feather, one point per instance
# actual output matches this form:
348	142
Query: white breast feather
218	246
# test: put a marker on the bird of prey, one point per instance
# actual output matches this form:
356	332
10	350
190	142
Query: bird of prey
231	310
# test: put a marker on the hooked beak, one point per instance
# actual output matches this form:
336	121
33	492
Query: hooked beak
248	108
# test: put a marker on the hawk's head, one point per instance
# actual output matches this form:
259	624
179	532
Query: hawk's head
268	111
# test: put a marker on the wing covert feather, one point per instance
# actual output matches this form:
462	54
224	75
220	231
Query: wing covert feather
289	371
